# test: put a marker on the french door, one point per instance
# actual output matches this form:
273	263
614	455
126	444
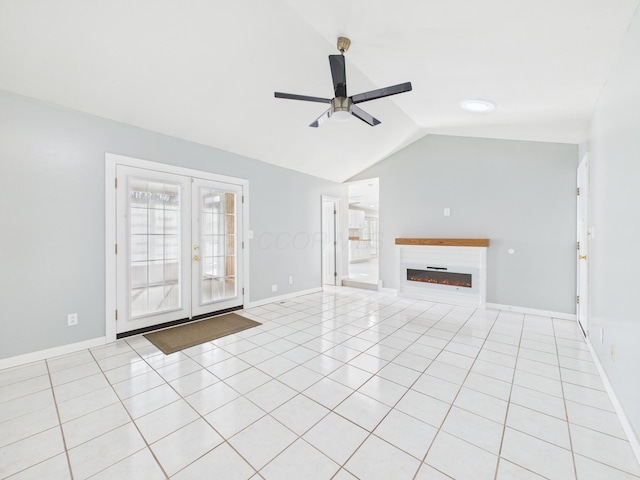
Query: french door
178	240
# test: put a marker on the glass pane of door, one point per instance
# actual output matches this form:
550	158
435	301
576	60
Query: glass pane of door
154	247
217	243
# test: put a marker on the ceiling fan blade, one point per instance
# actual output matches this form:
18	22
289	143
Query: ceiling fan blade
321	119
364	116
306	98
338	74
381	92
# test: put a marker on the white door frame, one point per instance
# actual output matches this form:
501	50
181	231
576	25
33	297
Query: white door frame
329	242
583	239
111	162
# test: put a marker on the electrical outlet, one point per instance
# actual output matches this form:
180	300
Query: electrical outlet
613	353
274	288
290	280
72	319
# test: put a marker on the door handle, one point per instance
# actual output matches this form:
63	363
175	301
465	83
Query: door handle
196	257
582	257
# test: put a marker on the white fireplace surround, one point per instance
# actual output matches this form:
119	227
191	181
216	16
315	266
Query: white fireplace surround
456	258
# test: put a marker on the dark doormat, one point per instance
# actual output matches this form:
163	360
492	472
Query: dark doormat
184	336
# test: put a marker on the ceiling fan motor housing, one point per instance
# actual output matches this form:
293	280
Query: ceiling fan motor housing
341	109
341	104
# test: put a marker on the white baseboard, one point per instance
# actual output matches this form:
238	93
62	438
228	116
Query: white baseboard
280	298
531	311
50	352
617	406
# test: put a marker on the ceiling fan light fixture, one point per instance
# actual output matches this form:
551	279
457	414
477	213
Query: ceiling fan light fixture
478	106
340	116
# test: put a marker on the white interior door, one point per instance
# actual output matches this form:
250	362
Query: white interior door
329	241
178	245
582	306
216	250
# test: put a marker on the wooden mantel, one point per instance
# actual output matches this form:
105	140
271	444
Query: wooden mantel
449	242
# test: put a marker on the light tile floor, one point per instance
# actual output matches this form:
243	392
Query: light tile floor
364	272
341	384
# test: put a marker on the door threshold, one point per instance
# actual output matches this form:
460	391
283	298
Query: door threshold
174	323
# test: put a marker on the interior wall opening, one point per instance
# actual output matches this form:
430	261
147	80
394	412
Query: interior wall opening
364	234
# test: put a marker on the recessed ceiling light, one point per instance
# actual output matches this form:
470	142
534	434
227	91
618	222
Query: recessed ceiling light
477	106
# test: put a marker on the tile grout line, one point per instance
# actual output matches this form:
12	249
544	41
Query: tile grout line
439	429
55	403
504	428
506	413
332	410
493	323
200	416
564	402
370	433
147	446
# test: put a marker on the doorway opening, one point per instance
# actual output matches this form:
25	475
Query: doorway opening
364	234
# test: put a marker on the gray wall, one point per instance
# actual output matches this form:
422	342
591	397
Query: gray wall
614	146
53	223
521	195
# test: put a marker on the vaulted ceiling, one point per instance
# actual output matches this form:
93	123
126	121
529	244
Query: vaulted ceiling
206	70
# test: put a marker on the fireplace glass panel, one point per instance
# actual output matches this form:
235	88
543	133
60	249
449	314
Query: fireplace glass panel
440	278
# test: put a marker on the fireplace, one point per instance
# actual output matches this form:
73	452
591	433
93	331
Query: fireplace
450	271
441	277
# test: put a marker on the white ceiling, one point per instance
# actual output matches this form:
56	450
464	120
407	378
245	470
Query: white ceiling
206	70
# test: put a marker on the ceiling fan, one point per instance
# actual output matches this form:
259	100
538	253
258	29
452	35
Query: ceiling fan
342	107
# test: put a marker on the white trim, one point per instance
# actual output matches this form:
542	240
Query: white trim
583	239
617	406
51	352
337	201
531	311
280	298
110	240
111	161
